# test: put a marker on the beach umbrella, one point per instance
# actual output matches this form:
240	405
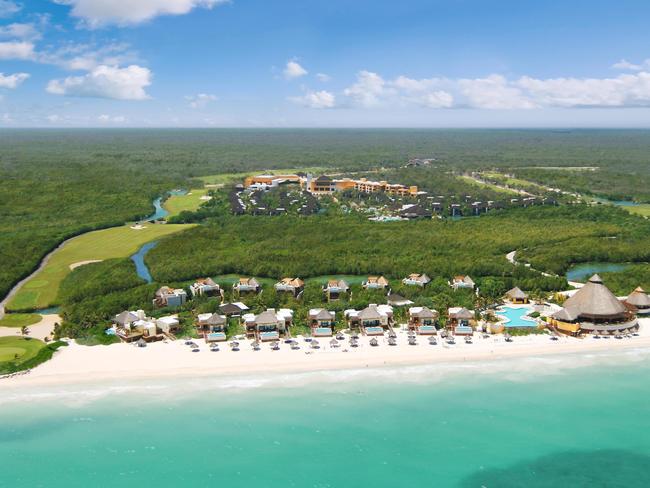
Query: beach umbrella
334	343
432	341
392	341
142	343
374	342
256	346
392	335
314	344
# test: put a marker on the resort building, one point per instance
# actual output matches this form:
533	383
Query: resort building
247	286
335	288
268	325
168	325
640	300
295	286
168	297
375	283
396	300
460	321
414	211
517	296
212	326
206	287
594	309
423	320
234	309
372	320
462	281
269	181
130	330
324	185
416	279
322	322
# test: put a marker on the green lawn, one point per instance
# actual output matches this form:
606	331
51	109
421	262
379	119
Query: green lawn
222	179
176	204
41	291
643	209
23	348
472	181
19	319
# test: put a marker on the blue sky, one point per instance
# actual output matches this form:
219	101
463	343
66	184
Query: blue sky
335	63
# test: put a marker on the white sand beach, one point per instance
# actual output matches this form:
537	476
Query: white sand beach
80	364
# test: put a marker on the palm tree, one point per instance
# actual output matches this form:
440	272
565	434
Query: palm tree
24	330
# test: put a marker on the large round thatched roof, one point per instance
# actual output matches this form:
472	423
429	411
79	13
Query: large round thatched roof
639	298
595	301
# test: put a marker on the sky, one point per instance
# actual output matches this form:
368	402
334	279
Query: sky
324	63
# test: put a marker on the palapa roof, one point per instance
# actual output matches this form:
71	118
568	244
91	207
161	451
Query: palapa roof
395	299
230	308
206	282
460	313
267	317
370	313
321	314
418	277
126	317
295	282
323	180
423	312
337	284
248	281
594	300
638	298
380	280
516	293
213	319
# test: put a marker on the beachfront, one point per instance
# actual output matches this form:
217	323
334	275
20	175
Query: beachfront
80	364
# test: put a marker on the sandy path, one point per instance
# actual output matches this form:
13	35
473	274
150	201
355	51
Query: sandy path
82	263
41	330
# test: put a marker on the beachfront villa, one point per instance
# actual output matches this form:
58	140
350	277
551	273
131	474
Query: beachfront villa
423	320
268	325
206	287
462	281
375	283
416	279
295	286
396	300
168	325
640	300
247	286
212	326
322	322
460	321
335	288
169	297
594	309
234	309
372	320
133	326
517	296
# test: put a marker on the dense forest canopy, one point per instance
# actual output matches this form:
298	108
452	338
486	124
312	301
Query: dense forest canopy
57	183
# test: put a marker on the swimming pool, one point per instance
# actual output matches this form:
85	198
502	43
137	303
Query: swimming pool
516	316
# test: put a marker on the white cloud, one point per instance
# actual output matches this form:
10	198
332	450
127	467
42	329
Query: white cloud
108	119
86	57
16	50
12	81
128	83
53	119
368	89
316	99
9	8
624	65
323	77
294	70
494	92
97	13
425	92
624	90
201	100
20	31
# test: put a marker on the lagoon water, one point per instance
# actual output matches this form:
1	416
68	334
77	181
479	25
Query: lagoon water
141	267
525	423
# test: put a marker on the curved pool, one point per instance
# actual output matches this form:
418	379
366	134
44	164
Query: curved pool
516	316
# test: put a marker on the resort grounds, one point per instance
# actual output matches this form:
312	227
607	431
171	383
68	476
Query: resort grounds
79	364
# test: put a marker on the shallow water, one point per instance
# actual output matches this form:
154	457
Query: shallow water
138	258
582	272
546	422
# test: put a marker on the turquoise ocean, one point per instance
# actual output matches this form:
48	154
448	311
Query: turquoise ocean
571	421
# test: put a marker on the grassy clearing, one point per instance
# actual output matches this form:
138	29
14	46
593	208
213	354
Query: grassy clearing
176	204
515	182
18	349
643	209
41	291
482	184
19	319
21	353
223	179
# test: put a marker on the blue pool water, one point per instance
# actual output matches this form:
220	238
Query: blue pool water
138	259
515	316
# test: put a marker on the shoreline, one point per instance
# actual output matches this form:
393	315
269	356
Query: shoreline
76	364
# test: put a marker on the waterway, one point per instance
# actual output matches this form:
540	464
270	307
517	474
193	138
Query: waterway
138	258
582	272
